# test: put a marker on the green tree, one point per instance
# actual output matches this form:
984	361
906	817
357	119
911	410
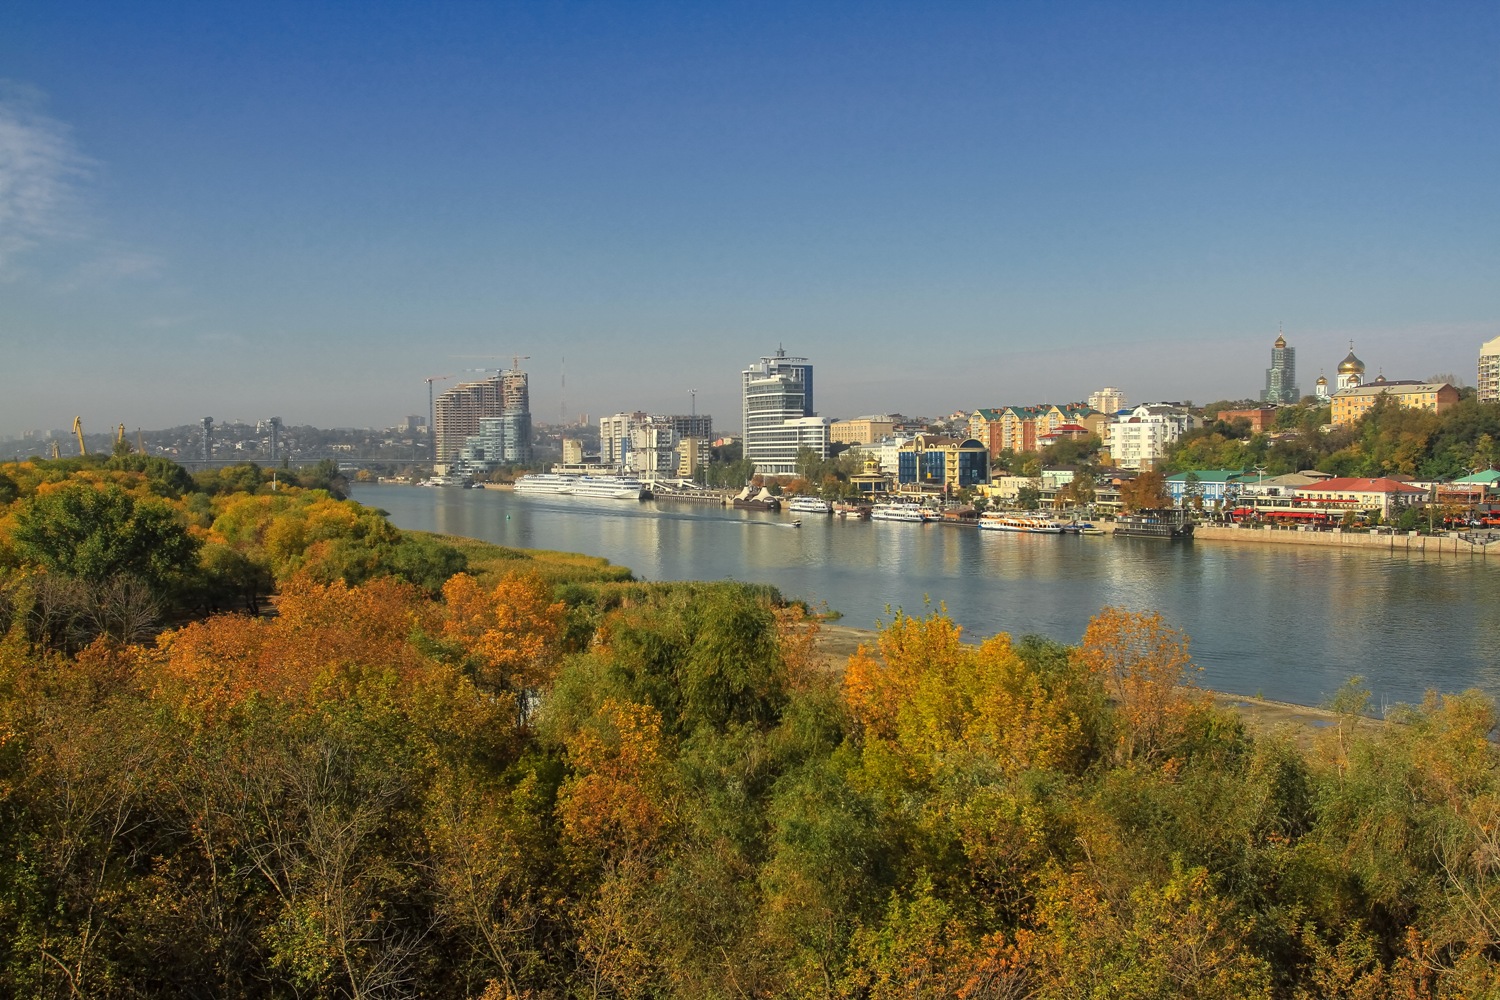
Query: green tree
97	533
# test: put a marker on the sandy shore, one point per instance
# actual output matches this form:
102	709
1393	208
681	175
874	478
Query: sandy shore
837	643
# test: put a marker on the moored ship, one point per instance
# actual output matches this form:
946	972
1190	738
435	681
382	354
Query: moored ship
898	512
546	483
1161	523
1026	524
610	488
809	505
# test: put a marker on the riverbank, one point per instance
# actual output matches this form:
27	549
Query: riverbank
1485	546
1262	716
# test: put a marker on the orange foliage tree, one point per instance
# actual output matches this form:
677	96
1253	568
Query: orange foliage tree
509	633
1145	666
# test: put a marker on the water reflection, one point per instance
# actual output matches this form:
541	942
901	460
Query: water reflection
1289	623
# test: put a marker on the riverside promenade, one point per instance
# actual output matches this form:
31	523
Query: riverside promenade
1481	545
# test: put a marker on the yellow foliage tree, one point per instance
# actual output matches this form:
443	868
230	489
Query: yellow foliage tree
1145	667
510	632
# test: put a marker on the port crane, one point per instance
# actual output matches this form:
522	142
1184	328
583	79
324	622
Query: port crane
78	429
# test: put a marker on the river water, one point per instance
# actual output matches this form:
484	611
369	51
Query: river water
1290	623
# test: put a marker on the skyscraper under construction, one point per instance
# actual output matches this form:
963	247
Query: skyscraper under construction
502	401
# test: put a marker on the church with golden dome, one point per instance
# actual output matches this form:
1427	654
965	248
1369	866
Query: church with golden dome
1351	371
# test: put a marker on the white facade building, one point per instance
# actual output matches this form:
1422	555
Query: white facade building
1489	371
777	413
1139	439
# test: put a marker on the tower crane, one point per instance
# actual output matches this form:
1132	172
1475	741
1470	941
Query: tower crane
515	360
78	429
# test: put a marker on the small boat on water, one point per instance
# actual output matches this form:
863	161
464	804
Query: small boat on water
809	505
846	509
1026	524
746	500
1160	523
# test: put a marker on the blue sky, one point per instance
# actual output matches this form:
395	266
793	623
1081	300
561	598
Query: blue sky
304	209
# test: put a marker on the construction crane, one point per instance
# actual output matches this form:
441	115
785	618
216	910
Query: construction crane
78	429
56	451
120	437
515	360
432	413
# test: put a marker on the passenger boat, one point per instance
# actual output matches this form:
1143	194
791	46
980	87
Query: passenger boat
898	512
444	481
1026	524
755	501
1161	523
610	488
843	509
546	483
809	505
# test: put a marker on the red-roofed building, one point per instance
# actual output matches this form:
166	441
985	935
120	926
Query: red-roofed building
1384	495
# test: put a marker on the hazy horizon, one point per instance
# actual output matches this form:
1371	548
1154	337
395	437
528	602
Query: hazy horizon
306	211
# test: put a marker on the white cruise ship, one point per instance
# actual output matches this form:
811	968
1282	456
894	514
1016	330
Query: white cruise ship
546	482
809	505
897	512
610	488
1026	524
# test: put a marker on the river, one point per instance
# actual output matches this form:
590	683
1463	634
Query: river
1288	623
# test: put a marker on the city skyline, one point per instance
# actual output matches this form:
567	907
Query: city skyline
306	213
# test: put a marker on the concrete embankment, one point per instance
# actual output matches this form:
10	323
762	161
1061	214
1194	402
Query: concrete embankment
1478	545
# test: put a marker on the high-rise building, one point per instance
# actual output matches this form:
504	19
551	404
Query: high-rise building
1489	371
1108	400
777	414
1281	377
457	414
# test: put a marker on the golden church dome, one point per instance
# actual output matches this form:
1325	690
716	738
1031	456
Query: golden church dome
1351	365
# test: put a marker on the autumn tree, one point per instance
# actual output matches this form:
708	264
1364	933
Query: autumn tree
1145	666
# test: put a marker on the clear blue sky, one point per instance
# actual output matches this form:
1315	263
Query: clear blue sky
241	210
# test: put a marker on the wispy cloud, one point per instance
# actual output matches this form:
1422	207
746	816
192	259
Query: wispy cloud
40	169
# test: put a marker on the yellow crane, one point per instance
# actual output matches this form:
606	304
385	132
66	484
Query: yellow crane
56	451
78	429
120	437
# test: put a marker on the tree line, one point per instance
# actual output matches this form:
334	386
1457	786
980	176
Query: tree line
507	774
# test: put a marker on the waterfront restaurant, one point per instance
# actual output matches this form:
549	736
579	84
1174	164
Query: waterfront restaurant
1384	495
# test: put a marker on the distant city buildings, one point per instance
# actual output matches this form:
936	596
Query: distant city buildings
653	445
1030	428
461	413
1138	438
1281	377
1352	403
1489	371
778	419
1107	400
932	463
861	430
